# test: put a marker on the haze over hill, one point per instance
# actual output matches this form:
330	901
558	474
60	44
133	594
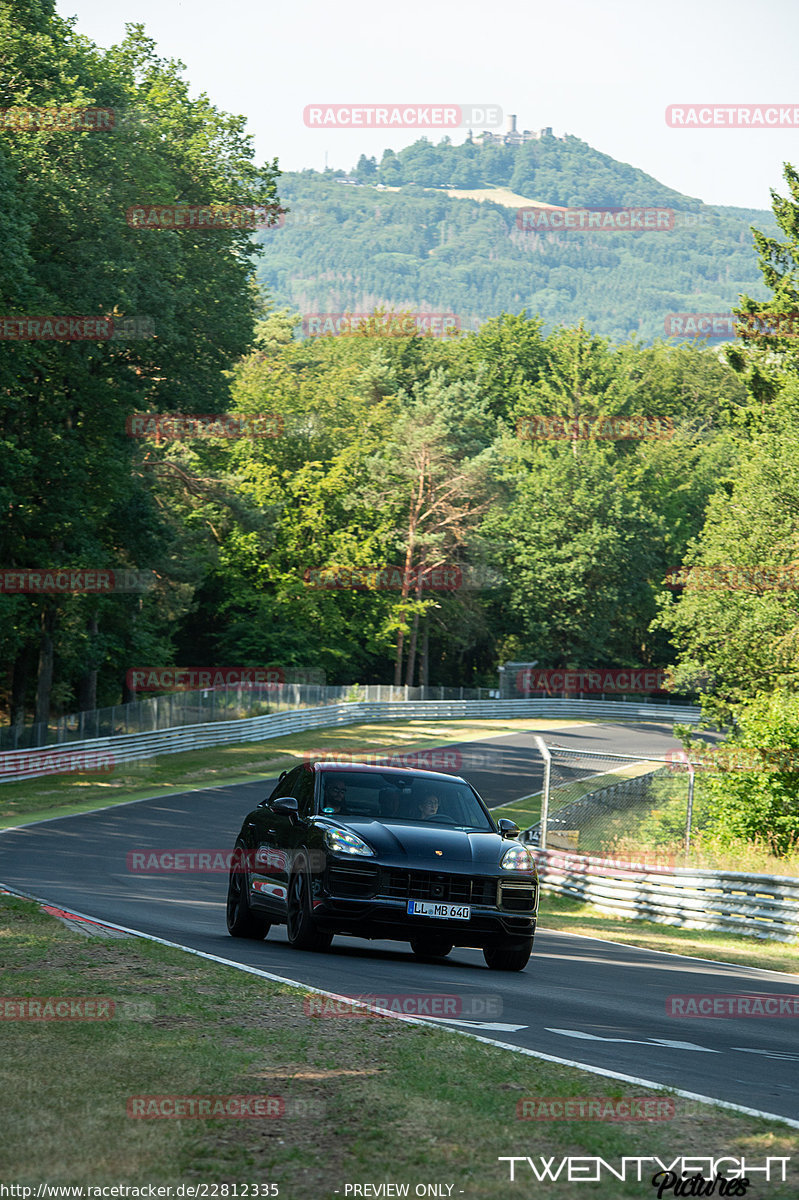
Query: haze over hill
434	228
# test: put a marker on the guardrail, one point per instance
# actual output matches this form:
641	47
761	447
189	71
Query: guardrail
231	702
761	906
101	753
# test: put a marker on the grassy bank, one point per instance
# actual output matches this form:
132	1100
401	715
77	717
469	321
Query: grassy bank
365	1100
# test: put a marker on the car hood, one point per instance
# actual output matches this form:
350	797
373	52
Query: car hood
416	845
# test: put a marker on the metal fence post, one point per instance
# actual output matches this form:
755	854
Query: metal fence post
547	757
690	808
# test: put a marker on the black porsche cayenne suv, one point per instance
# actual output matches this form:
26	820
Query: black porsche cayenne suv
380	852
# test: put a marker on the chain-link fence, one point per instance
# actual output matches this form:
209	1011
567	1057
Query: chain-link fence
612	805
214	704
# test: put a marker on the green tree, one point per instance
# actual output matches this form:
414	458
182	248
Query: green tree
581	552
436	475
760	804
739	632
736	629
75	496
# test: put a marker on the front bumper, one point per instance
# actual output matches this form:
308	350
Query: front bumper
369	900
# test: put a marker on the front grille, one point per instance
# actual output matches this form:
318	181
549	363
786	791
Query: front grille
517	897
484	891
353	879
427	885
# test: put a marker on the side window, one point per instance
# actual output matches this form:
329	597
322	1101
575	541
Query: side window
285	786
302	790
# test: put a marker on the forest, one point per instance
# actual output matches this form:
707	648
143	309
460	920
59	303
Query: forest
382	456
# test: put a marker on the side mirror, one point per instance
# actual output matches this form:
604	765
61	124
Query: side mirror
287	805
263	803
508	829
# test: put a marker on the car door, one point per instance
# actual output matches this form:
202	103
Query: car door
296	834
271	855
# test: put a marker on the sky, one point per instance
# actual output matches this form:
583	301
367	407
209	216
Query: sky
605	71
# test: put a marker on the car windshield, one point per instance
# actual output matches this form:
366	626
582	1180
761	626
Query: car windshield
373	795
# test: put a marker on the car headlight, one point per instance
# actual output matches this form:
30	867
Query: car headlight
342	841
517	858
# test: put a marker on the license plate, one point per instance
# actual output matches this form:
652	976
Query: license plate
449	912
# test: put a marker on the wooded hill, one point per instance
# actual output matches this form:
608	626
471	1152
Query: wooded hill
348	246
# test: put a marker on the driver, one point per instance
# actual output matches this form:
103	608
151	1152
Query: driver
428	807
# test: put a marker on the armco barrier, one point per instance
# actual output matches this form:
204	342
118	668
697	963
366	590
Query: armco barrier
762	906
31	764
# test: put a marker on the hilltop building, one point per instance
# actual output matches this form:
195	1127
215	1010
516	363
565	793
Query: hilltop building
514	136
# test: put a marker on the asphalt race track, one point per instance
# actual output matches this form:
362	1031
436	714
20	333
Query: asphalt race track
598	1003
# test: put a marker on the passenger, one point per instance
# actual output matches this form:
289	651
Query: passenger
335	795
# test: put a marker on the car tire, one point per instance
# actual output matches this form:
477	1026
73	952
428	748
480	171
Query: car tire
301	929
241	920
427	947
512	957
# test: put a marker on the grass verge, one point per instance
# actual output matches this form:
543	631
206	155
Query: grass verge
573	916
390	1102
60	796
